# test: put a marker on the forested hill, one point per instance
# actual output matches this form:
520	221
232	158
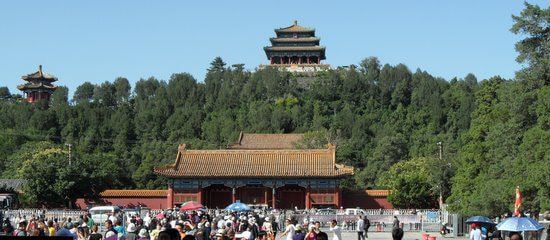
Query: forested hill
386	121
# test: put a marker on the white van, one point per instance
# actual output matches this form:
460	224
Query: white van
100	214
354	211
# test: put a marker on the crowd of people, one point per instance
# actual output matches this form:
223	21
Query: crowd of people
39	226
173	224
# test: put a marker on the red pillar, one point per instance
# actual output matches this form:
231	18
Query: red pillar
271	60
273	198
308	197
170	196
233	195
338	197
265	196
199	196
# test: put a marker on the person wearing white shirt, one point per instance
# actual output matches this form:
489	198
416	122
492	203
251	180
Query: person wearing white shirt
221	223
113	218
360	228
147	220
290	230
475	233
336	231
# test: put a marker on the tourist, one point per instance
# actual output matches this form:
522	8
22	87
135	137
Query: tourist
299	234
181	230
147	220
7	227
311	234
290	230
82	233
475	233
171	232
207	227
131	232
397	234
229	230
51	228
95	235
143	234
90	221
155	232
109	228
65	232
484	232
111	236
263	236
253	227
220	235
360	228
120	229
275	225
42	228
366	223
21	229
395	222
32	223
200	233
516	236
245	235
336	231
73	229
320	234
267	226
113	218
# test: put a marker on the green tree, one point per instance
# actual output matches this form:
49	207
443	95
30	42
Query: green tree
411	184
5	93
84	93
534	49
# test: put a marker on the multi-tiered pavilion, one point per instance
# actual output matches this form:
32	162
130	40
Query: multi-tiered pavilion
39	86
297	49
260	169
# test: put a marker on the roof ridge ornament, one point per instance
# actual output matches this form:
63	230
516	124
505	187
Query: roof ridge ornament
182	147
40	70
295	22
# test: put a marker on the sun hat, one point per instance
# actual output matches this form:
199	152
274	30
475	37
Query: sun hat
143	233
131	228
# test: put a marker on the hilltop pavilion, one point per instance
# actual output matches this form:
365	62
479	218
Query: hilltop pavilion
39	86
296	49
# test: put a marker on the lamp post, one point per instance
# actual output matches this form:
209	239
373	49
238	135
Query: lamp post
440	200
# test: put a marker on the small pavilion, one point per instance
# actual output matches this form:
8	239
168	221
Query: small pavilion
38	86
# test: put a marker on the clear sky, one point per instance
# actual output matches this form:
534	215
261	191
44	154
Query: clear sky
97	41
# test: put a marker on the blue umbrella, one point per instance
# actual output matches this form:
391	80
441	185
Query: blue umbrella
480	220
521	224
238	207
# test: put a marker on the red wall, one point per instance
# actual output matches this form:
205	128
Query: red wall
350	200
362	200
150	202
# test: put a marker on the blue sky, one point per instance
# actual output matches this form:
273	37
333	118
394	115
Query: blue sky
97	41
